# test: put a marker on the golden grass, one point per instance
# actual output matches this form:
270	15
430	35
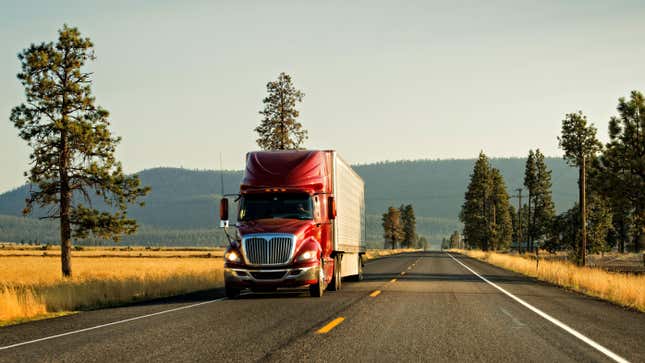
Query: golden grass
117	253
623	289
33	286
372	254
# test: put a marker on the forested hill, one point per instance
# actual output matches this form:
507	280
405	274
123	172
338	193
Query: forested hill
187	199
436	187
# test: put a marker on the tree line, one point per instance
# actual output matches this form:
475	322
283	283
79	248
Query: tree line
400	228
610	212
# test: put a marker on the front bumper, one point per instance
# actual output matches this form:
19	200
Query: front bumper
270	278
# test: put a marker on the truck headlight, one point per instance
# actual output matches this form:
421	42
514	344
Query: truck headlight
306	256
231	256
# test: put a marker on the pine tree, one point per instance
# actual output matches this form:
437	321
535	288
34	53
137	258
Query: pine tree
279	128
603	182
486	209
624	166
473	211
530	182
578	140
566	227
392	229
409	224
501	225
73	148
599	224
423	243
454	239
543	207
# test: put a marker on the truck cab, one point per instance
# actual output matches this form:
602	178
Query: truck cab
292	229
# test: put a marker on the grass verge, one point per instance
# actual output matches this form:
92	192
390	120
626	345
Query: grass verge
32	287
620	288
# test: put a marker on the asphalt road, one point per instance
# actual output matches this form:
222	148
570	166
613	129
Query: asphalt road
437	310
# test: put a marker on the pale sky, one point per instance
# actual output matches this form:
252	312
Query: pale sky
384	80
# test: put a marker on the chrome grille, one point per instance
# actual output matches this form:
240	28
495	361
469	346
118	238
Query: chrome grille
268	250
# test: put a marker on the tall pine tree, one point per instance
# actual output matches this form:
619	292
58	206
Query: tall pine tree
473	211
279	128
501	225
73	148
409	224
530	182
580	145
392	228
543	207
624	167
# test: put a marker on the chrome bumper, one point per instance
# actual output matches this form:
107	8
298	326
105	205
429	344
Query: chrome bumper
275	277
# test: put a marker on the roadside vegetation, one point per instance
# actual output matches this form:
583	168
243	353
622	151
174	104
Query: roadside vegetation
609	214
400	228
620	288
372	254
31	286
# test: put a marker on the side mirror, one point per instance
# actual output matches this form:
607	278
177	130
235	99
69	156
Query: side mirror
331	208
223	213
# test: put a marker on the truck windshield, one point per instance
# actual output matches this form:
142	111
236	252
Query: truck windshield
279	205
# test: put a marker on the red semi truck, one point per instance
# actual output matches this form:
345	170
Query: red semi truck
300	223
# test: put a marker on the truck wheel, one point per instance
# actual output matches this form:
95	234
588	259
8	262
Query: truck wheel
337	280
317	289
232	293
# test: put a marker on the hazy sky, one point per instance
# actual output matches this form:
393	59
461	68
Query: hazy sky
383	80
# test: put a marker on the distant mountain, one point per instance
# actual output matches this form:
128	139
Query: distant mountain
183	199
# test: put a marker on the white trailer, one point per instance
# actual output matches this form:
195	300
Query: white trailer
349	225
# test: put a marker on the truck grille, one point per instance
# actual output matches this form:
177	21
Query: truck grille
270	250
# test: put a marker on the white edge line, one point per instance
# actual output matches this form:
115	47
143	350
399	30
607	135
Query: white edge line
109	324
548	317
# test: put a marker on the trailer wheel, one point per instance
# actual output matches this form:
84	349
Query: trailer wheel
317	289
337	280
232	293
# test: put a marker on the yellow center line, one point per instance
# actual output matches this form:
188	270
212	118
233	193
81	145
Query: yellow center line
331	325
375	293
393	280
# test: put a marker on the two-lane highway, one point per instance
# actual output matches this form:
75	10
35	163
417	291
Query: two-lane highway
412	307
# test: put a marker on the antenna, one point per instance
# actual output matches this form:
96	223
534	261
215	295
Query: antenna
221	174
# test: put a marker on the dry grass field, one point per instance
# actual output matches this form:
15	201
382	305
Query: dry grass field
31	285
620	288
372	254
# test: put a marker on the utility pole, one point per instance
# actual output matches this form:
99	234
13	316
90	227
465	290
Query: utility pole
583	209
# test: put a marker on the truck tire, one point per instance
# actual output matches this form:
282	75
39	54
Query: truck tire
337	280
318	289
232	293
